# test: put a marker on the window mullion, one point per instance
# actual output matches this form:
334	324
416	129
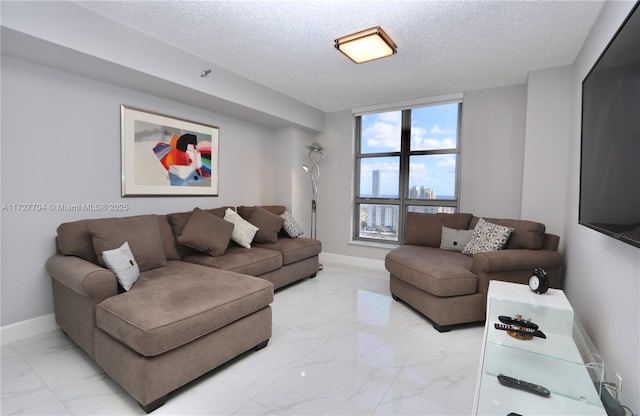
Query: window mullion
405	147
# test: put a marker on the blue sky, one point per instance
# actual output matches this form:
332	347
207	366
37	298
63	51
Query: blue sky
433	127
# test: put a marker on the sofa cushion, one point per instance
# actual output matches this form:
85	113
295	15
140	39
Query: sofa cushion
294	249
269	225
487	236
169	241
254	261
246	211
526	234
174	305
455	240
436	271
178	220
142	233
426	229
74	239
243	230
207	233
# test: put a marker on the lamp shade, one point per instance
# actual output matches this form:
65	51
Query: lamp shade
366	45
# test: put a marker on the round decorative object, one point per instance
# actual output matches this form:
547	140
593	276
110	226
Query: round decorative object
539	281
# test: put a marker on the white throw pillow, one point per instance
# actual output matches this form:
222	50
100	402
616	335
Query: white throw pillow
455	240
487	237
290	225
121	262
243	230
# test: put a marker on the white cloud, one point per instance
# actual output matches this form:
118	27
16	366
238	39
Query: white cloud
384	132
420	142
447	162
436	129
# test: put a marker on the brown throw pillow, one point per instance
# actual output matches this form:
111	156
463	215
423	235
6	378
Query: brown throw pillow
141	232
207	233
269	225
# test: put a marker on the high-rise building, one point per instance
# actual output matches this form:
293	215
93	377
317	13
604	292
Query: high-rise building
375	184
383	217
422	192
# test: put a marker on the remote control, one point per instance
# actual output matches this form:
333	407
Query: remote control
523	385
517	321
520	330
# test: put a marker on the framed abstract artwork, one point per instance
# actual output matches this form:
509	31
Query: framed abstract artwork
167	156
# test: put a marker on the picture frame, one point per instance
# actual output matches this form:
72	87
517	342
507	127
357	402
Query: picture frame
167	156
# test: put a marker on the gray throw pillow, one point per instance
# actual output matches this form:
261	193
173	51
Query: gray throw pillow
206	233
487	237
455	240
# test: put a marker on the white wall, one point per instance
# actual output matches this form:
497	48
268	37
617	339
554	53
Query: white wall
61	144
548	129
493	132
602	278
293	184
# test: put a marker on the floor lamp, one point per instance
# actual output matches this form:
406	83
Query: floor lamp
315	155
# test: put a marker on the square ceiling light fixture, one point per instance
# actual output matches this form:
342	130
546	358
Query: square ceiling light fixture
367	45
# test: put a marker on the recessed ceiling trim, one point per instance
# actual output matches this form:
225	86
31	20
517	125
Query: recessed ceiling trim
366	45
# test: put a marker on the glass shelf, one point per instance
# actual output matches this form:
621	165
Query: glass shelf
563	362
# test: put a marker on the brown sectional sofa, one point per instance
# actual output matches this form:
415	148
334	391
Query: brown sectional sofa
188	312
450	287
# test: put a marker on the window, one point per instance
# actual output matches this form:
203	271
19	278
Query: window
407	160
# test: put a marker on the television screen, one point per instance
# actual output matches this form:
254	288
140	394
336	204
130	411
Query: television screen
610	143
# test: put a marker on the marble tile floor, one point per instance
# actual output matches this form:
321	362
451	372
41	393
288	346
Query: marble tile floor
340	346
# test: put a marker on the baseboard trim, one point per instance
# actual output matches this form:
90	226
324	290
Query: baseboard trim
28	328
352	261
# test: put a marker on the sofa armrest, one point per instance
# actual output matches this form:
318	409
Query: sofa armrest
515	266
551	242
83	277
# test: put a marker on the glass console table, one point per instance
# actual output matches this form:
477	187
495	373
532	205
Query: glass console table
565	362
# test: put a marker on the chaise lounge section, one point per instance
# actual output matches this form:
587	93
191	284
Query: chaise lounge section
430	272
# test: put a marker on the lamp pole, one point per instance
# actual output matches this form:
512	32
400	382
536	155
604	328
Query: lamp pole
315	155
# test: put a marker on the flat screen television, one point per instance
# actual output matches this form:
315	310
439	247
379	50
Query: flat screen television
610	141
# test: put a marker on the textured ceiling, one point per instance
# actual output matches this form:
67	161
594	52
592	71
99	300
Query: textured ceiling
443	46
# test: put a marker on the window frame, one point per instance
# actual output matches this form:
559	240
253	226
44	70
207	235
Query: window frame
405	153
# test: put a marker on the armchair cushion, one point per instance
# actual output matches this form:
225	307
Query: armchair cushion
426	229
436	271
526	234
